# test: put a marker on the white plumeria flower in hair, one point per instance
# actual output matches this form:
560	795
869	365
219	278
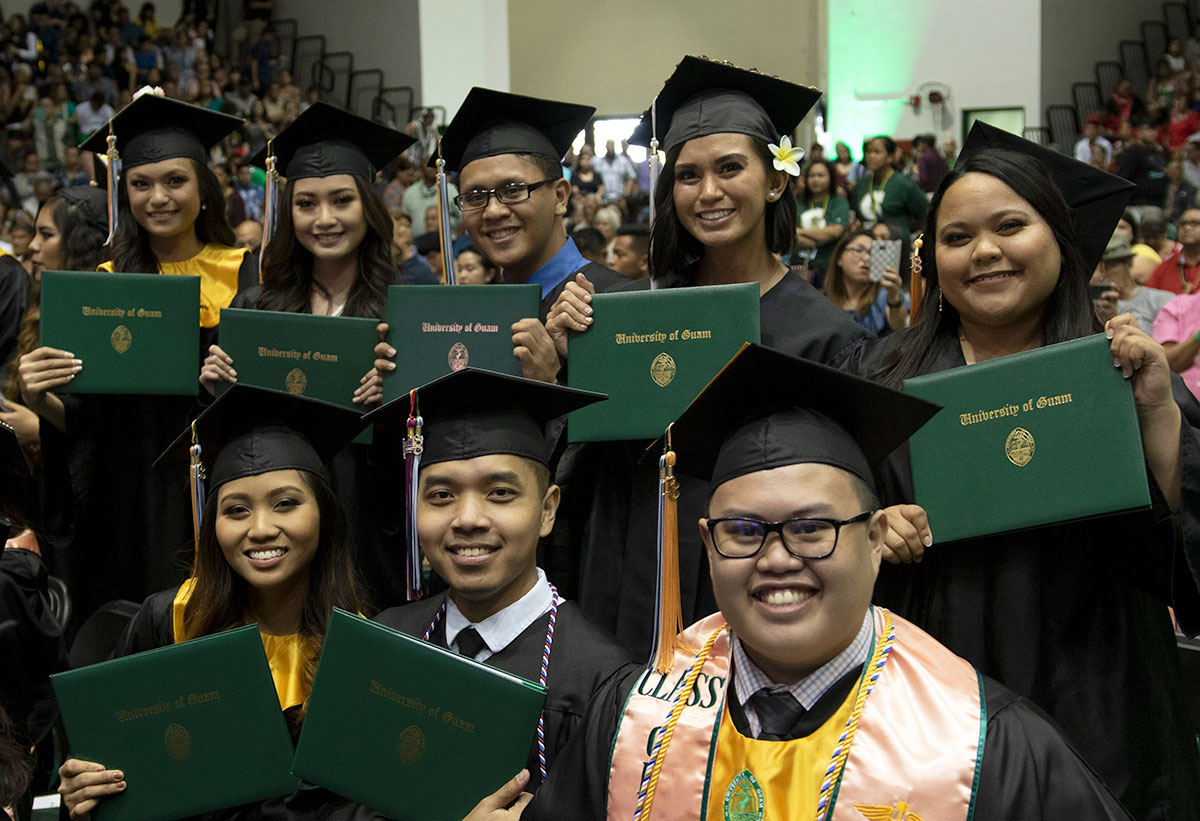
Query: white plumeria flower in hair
787	156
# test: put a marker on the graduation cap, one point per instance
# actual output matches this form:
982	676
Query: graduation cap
765	410
474	412
471	413
1096	198
490	123
153	128
249	430
89	203
325	140
705	97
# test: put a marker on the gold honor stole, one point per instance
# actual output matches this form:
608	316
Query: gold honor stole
917	747
217	266
286	655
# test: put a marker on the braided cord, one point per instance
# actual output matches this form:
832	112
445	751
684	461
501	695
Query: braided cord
841	750
658	753
541	728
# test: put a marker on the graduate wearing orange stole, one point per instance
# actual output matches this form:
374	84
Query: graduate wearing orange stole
799	699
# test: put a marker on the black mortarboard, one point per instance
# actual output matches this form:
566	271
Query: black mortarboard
1096	198
766	409
90	203
248	431
490	123
705	97
153	128
473	412
325	140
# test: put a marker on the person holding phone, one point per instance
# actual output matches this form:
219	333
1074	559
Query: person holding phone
1114	290
872	296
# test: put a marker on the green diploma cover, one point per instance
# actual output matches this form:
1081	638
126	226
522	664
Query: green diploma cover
652	352
195	726
321	357
1044	436
135	333
437	329
410	729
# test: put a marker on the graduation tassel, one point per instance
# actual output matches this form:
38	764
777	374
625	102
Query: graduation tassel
667	607
652	161
916	281
414	443
196	481
113	170
447	241
271	208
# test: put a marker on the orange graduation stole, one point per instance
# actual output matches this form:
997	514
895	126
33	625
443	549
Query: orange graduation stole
907	743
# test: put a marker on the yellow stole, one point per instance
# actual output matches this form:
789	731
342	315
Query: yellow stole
217	266
286	655
917	746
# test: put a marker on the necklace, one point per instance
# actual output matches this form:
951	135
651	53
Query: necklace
542	673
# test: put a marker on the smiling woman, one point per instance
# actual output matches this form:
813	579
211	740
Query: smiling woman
274	549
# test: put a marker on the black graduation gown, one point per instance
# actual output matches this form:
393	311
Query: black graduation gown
1029	772
603	277
582	658
130	525
375	514
14	299
1074	618
610	489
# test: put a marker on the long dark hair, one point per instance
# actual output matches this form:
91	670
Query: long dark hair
220	597
835	281
81	247
1068	313
131	246
287	280
674	251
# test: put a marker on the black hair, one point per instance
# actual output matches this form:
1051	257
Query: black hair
640	236
131	246
551	169
829	168
674	251
15	768
588	240
834	286
1068	311
492	268
287	280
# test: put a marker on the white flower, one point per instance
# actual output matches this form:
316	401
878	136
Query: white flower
155	90
787	158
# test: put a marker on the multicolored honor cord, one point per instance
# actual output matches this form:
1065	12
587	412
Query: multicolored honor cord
414	444
543	673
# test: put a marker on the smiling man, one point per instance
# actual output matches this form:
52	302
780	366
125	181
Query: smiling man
484	499
799	699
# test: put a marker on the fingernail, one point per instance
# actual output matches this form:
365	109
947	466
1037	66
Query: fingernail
121	786
233	374
1108	332
68	353
76	361
588	310
927	541
391	351
391	366
76	369
1116	363
588	320
118	775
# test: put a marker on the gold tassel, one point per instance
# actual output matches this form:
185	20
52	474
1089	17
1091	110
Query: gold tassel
669	609
916	282
271	206
445	240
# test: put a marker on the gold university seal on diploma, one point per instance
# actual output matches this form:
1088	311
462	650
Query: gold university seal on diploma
662	369
121	339
458	356
412	743
295	381
1019	447
178	742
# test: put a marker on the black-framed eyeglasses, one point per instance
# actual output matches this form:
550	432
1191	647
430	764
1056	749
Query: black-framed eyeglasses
509	194
807	538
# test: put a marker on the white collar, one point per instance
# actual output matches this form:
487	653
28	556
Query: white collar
500	629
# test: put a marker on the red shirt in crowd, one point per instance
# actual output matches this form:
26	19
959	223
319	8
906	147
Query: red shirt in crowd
1175	275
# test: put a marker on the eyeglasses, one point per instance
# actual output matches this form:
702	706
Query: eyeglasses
866	252
741	538
1188	223
507	194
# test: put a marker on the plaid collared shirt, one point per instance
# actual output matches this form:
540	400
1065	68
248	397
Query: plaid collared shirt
748	679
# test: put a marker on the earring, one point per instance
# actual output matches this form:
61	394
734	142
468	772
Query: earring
939	300
772	196
204	206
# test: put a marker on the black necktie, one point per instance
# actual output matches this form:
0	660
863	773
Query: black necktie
469	642
777	714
